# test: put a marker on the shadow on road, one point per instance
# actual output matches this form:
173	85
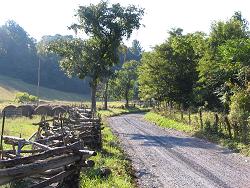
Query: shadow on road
171	142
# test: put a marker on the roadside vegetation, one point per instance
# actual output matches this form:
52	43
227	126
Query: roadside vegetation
175	121
167	122
202	80
112	157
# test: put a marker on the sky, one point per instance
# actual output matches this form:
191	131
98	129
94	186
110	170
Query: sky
50	17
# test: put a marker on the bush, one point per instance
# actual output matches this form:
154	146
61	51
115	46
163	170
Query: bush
23	97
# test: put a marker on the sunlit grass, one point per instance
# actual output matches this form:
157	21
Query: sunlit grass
19	127
167	123
111	156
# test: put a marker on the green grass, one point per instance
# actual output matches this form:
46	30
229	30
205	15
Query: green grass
20	126
167	123
112	157
219	138
10	86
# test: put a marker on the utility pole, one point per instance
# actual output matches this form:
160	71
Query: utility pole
38	78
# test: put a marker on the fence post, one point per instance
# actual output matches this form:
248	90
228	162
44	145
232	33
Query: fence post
1	146
216	122
244	131
182	112
201	122
189	117
228	127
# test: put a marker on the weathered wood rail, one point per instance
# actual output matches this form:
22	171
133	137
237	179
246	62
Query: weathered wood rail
55	154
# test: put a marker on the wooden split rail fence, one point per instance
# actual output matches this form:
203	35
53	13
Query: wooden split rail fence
55	154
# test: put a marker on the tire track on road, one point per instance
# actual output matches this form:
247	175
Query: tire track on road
168	158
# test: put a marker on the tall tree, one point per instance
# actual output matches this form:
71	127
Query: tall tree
106	26
152	76
220	64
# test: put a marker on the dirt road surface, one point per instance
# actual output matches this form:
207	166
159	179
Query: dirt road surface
168	158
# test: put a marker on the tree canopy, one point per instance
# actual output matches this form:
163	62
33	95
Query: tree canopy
106	27
169	73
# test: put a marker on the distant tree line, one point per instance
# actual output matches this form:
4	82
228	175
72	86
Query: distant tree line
19	59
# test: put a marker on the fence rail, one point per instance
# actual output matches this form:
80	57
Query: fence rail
60	148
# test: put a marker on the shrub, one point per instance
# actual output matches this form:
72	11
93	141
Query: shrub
24	97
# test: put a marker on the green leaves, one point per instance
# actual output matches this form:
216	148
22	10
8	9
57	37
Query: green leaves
106	26
169	72
25	98
123	86
108	22
226	54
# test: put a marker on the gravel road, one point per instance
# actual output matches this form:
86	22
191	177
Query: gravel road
168	158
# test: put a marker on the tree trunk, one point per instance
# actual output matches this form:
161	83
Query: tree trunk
189	116
93	95
201	122
182	113
228	127
105	96
216	123
126	98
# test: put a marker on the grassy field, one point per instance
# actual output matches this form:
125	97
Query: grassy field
20	126
10	86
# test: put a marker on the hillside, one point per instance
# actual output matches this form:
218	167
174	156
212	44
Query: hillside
9	87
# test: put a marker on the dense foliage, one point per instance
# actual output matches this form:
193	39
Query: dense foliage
123	85
169	72
195	69
202	71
